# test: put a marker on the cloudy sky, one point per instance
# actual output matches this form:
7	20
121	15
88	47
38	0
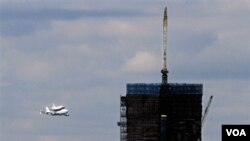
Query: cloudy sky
81	53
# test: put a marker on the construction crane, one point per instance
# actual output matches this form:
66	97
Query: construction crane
205	113
206	110
164	70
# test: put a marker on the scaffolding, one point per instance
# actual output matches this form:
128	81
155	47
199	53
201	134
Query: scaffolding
155	88
123	119
143	117
182	105
143	88
148	112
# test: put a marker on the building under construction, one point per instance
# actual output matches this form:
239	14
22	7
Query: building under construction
150	112
161	111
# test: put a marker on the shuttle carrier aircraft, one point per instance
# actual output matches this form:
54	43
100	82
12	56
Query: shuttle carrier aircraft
55	111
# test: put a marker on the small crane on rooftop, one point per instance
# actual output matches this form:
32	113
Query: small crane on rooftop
206	110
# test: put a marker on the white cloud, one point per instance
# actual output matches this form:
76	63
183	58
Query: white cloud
59	50
142	62
212	43
27	67
35	70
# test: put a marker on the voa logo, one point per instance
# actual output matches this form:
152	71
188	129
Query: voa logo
236	132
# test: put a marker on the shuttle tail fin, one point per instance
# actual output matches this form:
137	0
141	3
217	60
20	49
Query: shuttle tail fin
47	110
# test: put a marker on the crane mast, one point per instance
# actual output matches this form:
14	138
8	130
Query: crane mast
206	110
205	113
164	70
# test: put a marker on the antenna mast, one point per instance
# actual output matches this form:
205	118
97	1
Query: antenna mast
164	70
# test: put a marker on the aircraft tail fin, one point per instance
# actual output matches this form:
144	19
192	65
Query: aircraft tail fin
47	110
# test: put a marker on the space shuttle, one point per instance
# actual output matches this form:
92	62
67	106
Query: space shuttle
55	111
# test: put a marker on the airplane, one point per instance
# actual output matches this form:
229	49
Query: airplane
55	111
